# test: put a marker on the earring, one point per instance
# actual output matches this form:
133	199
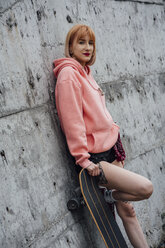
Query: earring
71	53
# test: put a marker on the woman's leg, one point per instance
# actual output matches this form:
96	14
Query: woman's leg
130	222
128	186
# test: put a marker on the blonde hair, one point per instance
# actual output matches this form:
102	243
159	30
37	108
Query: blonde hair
76	32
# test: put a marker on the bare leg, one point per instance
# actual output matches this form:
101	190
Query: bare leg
130	222
129	186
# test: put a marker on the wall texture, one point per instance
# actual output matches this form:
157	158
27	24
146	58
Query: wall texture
36	172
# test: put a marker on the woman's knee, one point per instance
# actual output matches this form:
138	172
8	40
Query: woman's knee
146	189
125	210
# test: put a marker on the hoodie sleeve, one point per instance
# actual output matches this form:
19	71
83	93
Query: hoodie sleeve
70	111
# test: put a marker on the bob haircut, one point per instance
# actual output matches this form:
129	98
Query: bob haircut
76	33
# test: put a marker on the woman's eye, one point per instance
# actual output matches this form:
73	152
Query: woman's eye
81	42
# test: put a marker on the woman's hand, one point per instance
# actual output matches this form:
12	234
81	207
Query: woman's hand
93	169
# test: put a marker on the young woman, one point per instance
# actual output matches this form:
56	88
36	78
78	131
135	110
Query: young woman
92	136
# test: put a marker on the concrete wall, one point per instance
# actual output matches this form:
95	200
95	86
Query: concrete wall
36	175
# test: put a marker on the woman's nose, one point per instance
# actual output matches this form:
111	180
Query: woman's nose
87	46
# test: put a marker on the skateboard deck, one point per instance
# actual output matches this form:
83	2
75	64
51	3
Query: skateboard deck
100	212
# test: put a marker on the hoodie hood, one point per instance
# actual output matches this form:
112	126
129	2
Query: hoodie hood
64	62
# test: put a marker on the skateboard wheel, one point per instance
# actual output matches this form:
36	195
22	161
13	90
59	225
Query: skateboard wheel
73	204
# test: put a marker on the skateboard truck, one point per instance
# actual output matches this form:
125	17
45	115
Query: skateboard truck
76	201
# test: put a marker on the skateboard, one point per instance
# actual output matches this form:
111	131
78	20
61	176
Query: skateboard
76	201
100	211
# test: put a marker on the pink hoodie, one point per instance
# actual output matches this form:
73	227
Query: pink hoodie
80	103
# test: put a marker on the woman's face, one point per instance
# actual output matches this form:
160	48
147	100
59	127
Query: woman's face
82	49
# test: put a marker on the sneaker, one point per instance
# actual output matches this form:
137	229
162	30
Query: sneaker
108	196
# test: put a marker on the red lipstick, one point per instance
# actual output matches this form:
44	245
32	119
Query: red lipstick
86	54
